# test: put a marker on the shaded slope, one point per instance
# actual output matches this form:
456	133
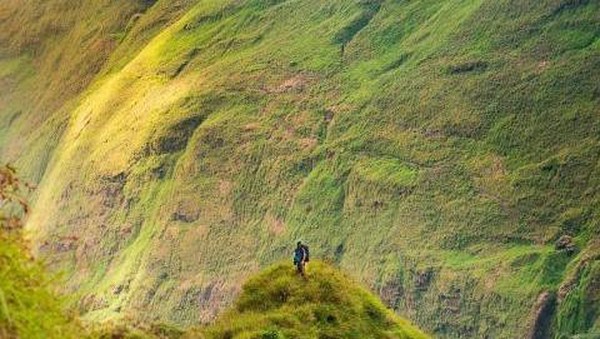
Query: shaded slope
438	158
278	303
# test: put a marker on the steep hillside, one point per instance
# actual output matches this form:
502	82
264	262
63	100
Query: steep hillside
437	150
278	303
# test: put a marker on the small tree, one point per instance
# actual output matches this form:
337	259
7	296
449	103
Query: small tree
13	207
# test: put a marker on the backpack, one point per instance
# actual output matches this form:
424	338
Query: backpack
307	253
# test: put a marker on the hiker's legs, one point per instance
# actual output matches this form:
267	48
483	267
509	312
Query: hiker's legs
300	268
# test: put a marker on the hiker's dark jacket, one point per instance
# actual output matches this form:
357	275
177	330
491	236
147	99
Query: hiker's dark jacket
299	255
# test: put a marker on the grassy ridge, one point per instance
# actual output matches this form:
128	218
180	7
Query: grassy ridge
435	149
278	303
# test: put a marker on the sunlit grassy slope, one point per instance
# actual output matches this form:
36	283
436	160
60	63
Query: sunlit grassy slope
278	303
434	149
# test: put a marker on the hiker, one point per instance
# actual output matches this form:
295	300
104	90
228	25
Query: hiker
301	257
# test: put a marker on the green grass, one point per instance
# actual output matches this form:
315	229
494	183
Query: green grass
275	303
28	307
278	303
189	144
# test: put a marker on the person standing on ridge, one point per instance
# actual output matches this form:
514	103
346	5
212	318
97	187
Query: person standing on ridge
301	257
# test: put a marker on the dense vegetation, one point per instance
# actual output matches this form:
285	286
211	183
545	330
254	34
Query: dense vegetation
437	150
28	308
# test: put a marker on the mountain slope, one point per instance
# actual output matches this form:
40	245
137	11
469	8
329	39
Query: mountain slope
435	149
